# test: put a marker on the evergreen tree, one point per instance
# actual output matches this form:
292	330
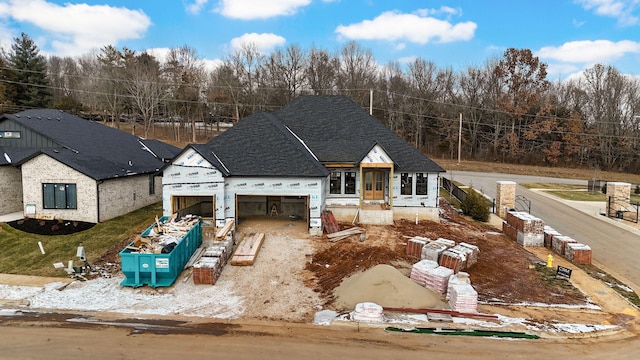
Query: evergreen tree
30	87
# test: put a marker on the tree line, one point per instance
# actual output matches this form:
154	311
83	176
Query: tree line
510	110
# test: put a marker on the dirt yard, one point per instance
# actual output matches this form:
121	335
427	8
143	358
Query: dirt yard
295	274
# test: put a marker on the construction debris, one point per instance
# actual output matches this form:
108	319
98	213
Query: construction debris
526	229
368	312
341	235
329	223
163	236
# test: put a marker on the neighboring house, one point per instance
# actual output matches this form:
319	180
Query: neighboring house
316	153
57	165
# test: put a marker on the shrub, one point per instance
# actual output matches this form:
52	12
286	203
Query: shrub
475	205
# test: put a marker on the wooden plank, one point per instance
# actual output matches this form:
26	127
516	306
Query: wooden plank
224	230
441	311
349	231
247	250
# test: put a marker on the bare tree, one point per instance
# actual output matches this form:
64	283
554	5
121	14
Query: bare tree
145	86
321	71
357	72
111	88
185	72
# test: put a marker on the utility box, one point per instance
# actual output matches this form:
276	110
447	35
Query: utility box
159	269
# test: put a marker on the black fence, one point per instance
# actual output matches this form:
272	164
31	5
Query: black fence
626	210
453	189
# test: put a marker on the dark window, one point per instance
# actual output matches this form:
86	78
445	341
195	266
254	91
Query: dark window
335	183
421	184
59	196
350	182
152	184
406	184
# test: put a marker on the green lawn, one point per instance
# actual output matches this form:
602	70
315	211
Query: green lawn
21	254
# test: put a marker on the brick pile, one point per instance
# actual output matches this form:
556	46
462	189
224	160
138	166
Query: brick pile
559	243
578	253
549	233
214	257
414	246
454	258
433	250
529	230
472	252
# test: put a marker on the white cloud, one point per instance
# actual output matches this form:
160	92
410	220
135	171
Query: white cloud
196	6
589	51
562	71
264	42
416	28
619	9
259	9
75	29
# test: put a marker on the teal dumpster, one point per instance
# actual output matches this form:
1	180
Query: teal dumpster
158	270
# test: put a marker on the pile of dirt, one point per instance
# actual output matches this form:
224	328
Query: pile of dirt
505	272
387	287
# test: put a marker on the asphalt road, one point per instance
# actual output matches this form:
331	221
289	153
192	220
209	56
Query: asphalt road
615	246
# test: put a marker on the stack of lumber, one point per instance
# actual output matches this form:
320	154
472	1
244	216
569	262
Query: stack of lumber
578	253
368	312
437	279
549	233
163	236
420	271
329	223
460	278
559	243
472	253
247	250
415	245
341	235
529	230
454	259
433	250
463	298
226	231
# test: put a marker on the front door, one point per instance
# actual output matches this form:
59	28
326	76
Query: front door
373	185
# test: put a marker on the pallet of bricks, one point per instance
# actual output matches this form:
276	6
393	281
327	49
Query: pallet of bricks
524	228
569	248
444	252
215	256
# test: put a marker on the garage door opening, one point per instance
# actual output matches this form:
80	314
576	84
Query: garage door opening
202	206
291	207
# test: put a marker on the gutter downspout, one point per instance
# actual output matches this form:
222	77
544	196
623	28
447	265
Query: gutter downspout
98	183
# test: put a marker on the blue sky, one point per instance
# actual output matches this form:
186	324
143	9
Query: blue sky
569	35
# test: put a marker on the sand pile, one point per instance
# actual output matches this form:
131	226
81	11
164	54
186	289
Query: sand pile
386	286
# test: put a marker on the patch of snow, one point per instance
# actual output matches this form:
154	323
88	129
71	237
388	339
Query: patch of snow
103	294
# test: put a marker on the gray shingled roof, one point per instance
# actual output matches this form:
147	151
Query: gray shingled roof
93	149
260	145
339	130
334	128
